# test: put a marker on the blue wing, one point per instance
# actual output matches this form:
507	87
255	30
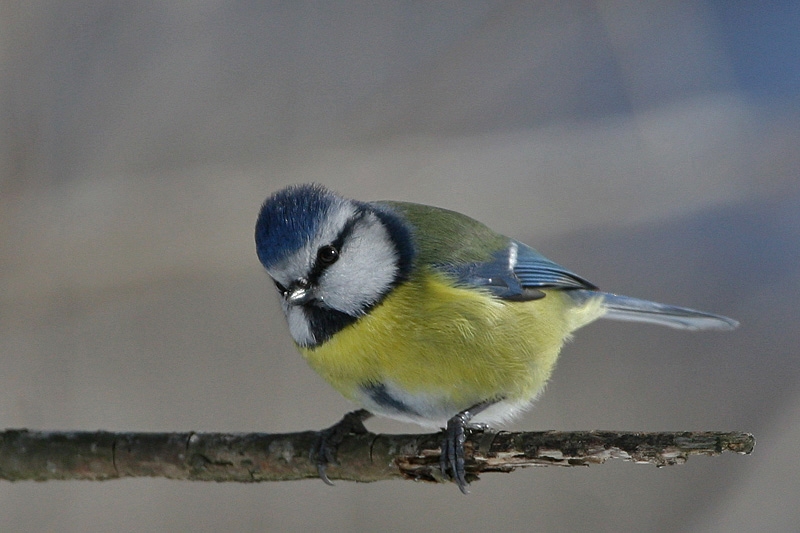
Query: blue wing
517	272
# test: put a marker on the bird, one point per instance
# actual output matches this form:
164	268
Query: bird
425	315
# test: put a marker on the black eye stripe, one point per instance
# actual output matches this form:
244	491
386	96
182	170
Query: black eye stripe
320	265
348	228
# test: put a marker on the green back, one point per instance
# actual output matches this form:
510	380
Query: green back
448	236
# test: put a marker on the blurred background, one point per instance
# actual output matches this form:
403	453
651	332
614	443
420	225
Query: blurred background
651	147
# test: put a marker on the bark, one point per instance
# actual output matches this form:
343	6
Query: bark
250	457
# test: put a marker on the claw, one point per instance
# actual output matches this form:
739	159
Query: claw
328	440
451	459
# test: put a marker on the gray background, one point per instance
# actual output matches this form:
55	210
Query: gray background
650	146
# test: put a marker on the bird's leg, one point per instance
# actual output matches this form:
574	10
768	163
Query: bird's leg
328	440
451	460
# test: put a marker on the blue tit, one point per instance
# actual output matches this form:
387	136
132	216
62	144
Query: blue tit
426	315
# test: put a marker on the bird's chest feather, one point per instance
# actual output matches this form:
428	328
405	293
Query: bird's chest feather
428	337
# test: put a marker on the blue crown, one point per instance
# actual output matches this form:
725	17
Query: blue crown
288	219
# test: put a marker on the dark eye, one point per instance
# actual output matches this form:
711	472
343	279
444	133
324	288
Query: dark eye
327	255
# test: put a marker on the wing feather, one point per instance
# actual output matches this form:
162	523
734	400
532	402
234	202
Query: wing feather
517	272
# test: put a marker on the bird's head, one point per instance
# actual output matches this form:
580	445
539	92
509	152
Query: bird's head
331	258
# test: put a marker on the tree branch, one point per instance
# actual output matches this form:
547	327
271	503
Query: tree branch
250	457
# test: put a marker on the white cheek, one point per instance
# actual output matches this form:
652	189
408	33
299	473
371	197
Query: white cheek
365	271
298	325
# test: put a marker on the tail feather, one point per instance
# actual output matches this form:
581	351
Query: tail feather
636	310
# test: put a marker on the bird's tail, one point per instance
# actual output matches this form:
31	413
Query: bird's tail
633	309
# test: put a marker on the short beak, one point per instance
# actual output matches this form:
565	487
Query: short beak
299	295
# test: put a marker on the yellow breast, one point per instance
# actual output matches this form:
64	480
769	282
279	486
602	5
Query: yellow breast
429	337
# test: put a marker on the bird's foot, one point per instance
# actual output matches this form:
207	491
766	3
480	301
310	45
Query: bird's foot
328	440
451	459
